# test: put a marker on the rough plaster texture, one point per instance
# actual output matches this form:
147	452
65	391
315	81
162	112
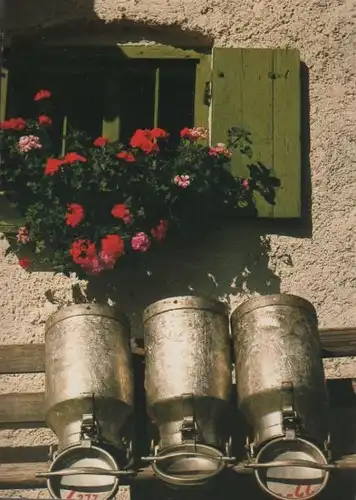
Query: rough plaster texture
315	259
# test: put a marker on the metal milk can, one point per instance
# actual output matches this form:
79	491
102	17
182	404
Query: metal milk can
282	393
89	397
188	387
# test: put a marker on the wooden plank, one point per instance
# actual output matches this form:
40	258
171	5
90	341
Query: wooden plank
338	342
201	101
242	96
21	454
156	98
248	93
23	475
22	408
30	358
23	358
4	78
287	132
28	408
112	112
134	51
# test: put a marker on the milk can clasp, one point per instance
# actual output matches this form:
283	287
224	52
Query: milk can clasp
89	429
290	419
189	429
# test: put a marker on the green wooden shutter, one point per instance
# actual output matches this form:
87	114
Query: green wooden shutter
258	90
201	104
4	76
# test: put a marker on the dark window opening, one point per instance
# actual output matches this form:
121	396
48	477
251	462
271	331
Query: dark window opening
91	87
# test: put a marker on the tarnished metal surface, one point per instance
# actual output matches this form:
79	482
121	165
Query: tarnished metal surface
188	374
70	485
281	389
291	481
276	340
88	364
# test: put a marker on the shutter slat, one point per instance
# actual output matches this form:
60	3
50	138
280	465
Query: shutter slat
4	77
258	90
156	98
286	136
112	108
201	105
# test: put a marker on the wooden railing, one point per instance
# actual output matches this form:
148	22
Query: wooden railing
18	465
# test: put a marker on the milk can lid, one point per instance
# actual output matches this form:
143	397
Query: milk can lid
83	486
281	299
184	302
188	464
290	482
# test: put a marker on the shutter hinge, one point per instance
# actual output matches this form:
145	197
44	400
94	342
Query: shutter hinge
207	93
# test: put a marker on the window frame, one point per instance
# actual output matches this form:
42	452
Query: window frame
111	129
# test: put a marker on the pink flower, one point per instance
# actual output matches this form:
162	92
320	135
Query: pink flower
107	260
28	142
23	236
182	181
140	242
194	134
220	149
95	266
245	184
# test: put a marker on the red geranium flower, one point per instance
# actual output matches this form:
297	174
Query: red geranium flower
112	245
122	211
44	120
42	94
25	263
144	140
75	214
13	124
83	252
159	232
159	133
73	157
53	165
125	155
101	141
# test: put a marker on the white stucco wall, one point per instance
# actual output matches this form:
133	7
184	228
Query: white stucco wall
250	258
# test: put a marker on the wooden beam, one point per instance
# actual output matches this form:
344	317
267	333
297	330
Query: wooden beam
22	358
23	475
30	358
21	454
338	342
28	408
22	408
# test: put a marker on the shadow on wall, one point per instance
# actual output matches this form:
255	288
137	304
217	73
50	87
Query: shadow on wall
74	18
223	264
230	262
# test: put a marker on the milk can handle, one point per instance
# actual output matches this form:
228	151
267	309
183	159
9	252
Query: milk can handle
178	454
86	471
291	463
